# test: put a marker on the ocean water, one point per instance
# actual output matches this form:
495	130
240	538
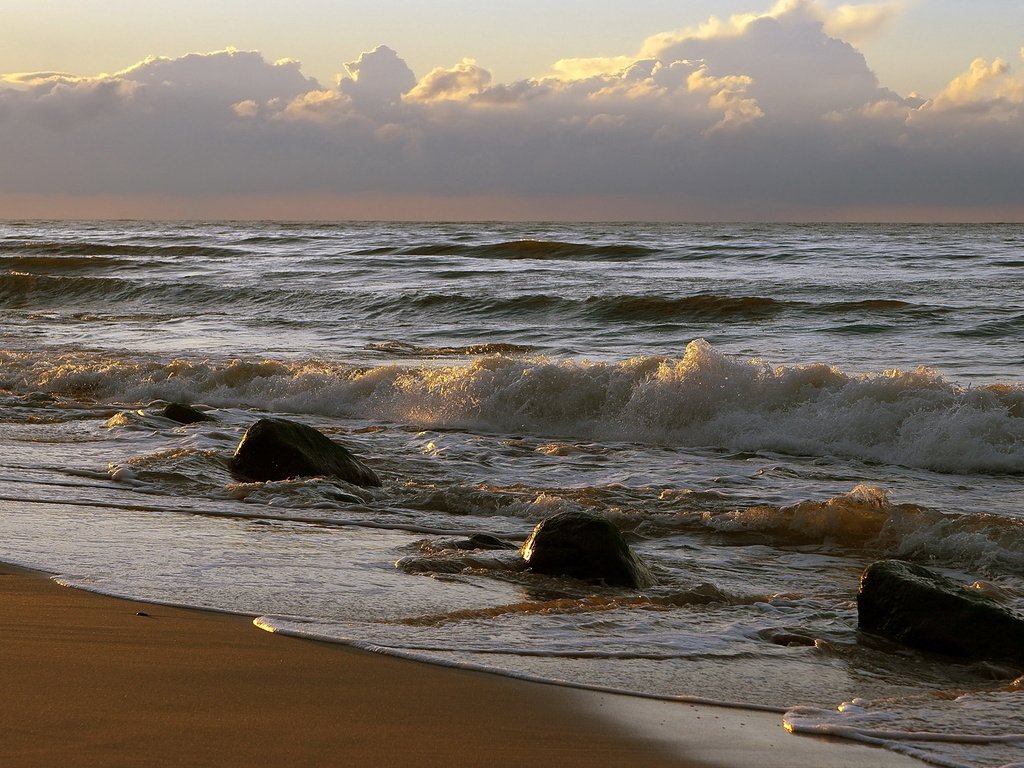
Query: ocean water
763	411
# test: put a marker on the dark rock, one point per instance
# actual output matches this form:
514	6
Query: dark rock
584	546
483	541
920	608
278	449
786	637
184	414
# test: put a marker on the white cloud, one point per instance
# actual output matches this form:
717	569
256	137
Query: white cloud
326	106
797	71
753	115
859	22
465	80
580	69
23	80
228	72
984	85
729	94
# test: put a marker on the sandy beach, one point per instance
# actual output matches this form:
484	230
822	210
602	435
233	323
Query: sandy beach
98	681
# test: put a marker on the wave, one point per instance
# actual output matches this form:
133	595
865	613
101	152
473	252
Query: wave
51	282
457	303
404	349
48	264
974	728
865	518
1008	328
26	290
65	249
279	239
705	399
22	289
519	249
613	308
699	307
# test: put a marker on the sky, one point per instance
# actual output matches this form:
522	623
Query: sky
738	110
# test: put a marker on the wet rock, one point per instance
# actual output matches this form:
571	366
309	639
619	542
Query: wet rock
184	414
584	546
923	609
787	638
278	449
483	541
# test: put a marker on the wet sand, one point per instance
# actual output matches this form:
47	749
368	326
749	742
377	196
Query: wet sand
91	680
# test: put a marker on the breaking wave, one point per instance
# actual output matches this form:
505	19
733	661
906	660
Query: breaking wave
705	399
865	518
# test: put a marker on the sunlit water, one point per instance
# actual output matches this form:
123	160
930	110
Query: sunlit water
763	410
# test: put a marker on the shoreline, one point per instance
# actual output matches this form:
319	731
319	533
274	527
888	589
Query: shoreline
93	680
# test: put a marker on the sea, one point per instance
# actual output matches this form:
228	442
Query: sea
762	410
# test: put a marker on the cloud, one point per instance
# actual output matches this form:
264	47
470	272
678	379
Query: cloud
859	22
763	115
377	79
580	69
464	80
328	107
797	70
29	79
983	86
850	22
729	94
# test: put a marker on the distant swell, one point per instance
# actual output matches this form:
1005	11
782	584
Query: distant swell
403	349
1010	328
520	249
23	290
46	282
59	248
47	264
704	306
706	399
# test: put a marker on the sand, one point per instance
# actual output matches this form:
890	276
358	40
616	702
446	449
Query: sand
90	680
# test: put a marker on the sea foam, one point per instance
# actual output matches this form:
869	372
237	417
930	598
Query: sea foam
705	399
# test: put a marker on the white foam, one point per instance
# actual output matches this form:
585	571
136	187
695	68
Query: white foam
866	516
705	399
908	727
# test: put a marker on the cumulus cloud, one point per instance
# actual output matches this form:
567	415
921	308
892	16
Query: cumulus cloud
849	22
984	85
761	115
729	94
28	79
321	106
797	70
858	22
578	69
378	78
464	80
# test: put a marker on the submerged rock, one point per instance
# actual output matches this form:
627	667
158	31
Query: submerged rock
184	414
787	638
483	541
923	609
584	546
278	449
